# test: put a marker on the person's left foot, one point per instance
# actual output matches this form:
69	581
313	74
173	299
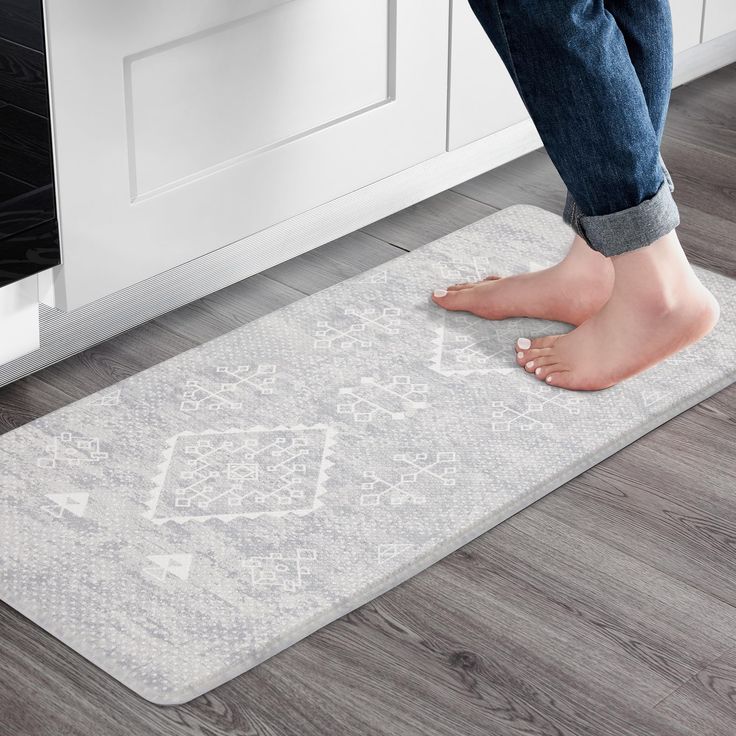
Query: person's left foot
570	291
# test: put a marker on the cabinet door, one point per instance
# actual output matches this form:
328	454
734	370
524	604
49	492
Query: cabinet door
719	18
483	98
687	16
181	126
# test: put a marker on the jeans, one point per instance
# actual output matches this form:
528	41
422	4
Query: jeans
595	77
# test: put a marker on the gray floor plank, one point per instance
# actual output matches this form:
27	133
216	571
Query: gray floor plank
598	610
429	220
703	178
702	112
708	240
532	179
677	603
229	308
682	524
707	703
333	262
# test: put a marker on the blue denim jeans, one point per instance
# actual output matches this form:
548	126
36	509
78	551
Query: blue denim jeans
595	77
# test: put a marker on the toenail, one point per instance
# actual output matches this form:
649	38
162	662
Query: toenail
440	292
538	370
519	355
530	364
549	379
524	343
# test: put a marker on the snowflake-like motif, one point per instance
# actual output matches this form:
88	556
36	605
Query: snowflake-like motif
407	489
219	395
73	451
505	416
372	398
356	327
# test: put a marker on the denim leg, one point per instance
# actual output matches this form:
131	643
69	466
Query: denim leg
647	30
571	63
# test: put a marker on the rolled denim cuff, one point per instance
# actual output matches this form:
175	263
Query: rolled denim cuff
629	229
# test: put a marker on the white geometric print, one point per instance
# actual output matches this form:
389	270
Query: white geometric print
466	344
277	571
216	396
405	490
357	329
379	277
652	397
242	473
371	398
74	503
175	564
473	269
73	451
387	552
109	398
539	398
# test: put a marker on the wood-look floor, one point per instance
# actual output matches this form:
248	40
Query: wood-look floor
607	608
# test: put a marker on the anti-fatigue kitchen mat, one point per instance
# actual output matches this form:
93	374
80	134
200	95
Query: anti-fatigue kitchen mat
186	523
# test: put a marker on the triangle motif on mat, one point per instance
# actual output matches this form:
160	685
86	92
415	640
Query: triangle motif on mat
466	343
74	503
175	564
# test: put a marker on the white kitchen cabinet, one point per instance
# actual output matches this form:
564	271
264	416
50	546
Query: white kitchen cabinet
687	16
198	143
483	99
719	18
181	126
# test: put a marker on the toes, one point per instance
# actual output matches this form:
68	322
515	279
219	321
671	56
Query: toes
524	356
544	342
529	349
542	372
458	287
560	378
453	300
540	362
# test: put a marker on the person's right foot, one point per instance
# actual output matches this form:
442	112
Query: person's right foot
571	291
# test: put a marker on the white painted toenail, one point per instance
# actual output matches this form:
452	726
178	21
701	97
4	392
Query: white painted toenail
523	343
549	379
538	370
440	292
519	355
530	364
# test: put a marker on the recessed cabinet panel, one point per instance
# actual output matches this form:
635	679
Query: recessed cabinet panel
183	126
687	16
216	97
483	98
719	18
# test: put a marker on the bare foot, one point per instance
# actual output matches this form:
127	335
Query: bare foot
658	306
571	291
